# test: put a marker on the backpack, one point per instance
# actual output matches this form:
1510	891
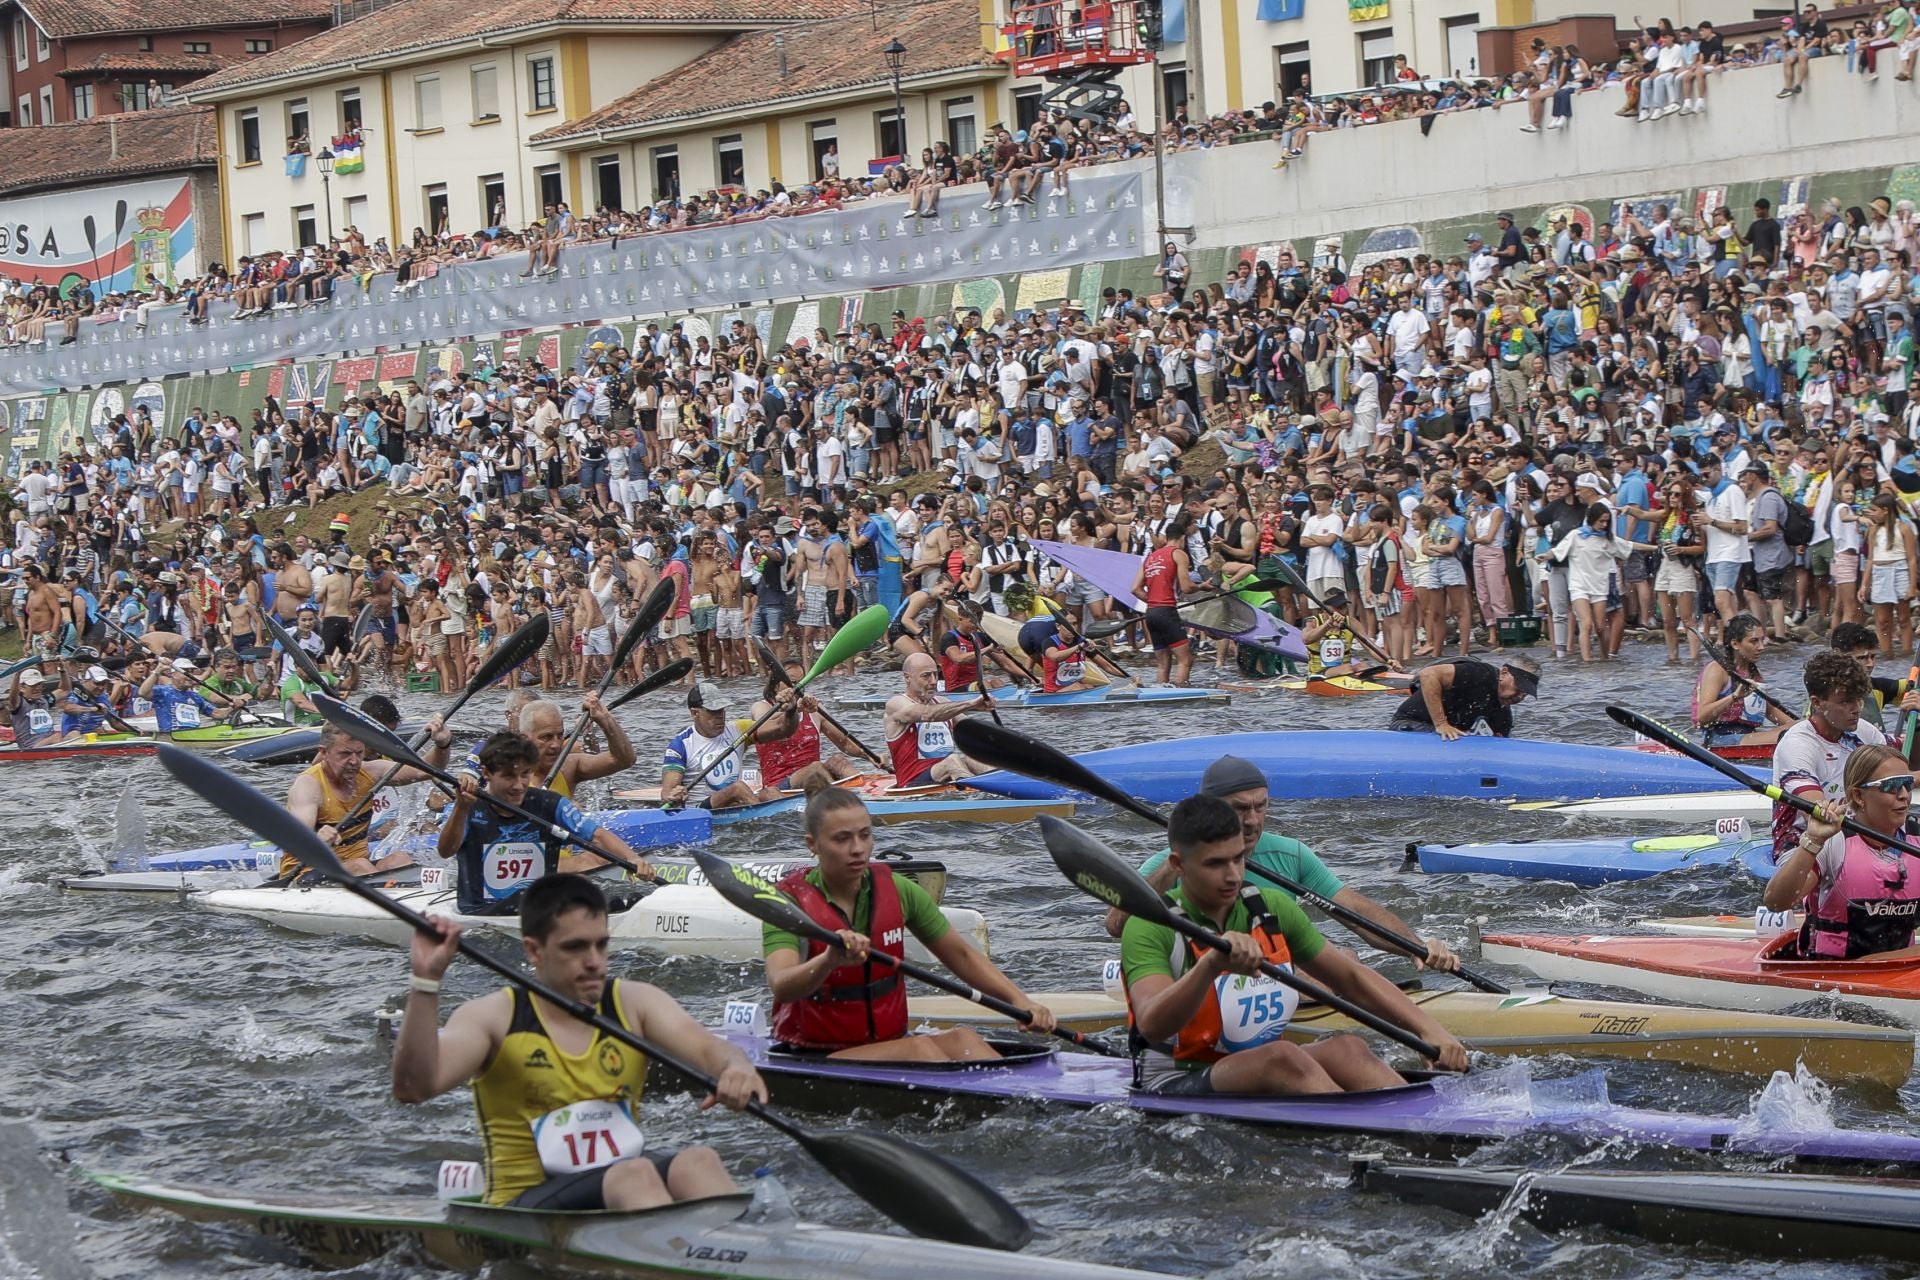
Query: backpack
1797	528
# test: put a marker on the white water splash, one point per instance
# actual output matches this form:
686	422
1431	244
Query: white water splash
14	881
254	1043
1797	1103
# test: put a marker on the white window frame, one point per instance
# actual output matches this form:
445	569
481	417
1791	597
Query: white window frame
312	216
241	120
253	233
42	47
19	42
483	83
958	109
735	143
1376	47
426	102
82	96
46	105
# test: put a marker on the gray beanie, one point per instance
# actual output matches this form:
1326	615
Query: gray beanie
1230	775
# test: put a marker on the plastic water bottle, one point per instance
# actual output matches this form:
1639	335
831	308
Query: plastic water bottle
770	1200
470	767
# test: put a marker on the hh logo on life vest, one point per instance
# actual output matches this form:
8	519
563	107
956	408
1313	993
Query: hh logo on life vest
892	937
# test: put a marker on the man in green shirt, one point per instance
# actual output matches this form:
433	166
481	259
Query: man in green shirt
296	698
841	1000
1213	1021
1241	784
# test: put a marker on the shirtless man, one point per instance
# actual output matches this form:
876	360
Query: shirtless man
918	737
334	595
704	569
292	584
378	587
590	624
810	570
44	612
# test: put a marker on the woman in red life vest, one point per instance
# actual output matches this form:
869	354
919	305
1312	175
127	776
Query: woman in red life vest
1861	898
843	1001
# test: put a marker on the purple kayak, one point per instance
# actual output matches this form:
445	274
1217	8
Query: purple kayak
1488	1106
1114	571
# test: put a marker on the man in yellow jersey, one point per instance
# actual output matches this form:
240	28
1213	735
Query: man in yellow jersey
559	1100
335	784
541	720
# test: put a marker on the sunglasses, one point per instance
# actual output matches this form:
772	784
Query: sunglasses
1896	785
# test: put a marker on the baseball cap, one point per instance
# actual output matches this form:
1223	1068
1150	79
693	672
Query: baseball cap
31	677
1757	469
96	674
706	696
1527	682
183	664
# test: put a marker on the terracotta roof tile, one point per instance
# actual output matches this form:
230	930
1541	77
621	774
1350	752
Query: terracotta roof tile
143	64
821	57
425	24
126	145
63	18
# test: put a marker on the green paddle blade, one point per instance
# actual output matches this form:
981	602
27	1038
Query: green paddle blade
859	634
1100	872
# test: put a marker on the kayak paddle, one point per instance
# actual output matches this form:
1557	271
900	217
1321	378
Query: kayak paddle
1295	581
923	1192
1668	738
1724	660
779	670
1019	660
855	637
763	900
1100	872
673	673
506	656
1907	735
1017	753
980	674
654	608
302	660
383	741
199	683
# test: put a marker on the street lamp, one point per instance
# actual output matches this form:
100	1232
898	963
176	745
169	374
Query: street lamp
325	161
896	54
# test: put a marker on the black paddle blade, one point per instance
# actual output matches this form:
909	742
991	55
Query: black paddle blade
1229	614
1008	749
756	895
926	1193
772	659
1099	871
263	816
1101	630
652	609
511	652
302	660
673	673
378	738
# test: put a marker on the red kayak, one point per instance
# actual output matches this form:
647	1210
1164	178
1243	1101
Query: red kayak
11	754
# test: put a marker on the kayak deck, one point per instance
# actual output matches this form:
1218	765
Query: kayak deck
1590	862
1531	1023
886	803
1106	696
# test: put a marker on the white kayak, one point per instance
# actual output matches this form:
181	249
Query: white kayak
680	919
1679	809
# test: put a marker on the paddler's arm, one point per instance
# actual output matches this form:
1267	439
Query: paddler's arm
966	963
438	750
1434	683
303	802
1340	970
1163	1005
429	1059
790	978
619	755
453	832
658	1017
1162	877
1798	874
784	725
1439	955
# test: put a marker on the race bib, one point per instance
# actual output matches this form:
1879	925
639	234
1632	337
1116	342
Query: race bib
1754	706
186	716
1253	1010
1113	980
726	773
508	866
1070	672
39	720
1333	651
586	1135
433	879
935	739
382	807
1768	923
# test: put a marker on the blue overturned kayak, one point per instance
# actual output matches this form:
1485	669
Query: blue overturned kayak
1351	763
1596	861
640	828
1105	696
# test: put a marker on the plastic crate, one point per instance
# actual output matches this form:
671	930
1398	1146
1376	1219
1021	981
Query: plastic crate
423	682
1519	630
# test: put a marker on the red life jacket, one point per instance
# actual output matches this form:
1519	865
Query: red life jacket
781	759
857	1004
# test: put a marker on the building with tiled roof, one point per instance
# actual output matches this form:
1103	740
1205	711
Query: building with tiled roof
773	106
76	59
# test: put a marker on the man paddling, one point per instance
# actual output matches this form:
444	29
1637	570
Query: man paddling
917	720
1450	698
178	704
796	762
1810	760
684	775
541	721
336	783
1245	789
559	1102
1211	1021
839	1000
500	854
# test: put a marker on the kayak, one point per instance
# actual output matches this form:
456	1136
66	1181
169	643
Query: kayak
885	802
1697	806
297	745
102	745
1005	633
1530	1023
1597	861
1767	1213
689	918
1106	696
1715	926
1445	1112
1334	764
748	1234
1750	753
1732	973
1114	572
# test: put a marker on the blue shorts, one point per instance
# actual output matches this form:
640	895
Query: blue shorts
386	625
1723	575
769	621
1449	572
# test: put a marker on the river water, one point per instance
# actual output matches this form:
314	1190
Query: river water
149	1037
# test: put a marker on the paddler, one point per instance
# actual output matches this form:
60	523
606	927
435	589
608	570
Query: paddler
1727	705
541	721
1450	698
1166	573
336	783
85	705
796	762
1062	660
838	1000
918	736
1810	760
1861	898
559	1103
962	645
1331	640
501	854
178	704
30	708
1244	788
1858	641
1210	1021
712	736
907	631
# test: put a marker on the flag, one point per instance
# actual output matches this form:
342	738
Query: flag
1173	21
297	164
1281	10
348	157
1366	10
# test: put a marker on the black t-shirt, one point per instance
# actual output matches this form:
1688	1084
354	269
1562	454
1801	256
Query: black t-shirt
1763	238
1713	49
1563	517
1474	696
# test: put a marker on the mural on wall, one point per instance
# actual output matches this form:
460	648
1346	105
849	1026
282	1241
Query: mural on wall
111	239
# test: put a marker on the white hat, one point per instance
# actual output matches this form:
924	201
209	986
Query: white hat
184	664
32	677
96	674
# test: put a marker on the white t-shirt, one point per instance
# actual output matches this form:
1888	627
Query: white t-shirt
1724	547
1322	562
